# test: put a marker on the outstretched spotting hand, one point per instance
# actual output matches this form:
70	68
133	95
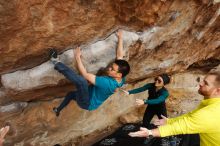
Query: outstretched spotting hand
160	122
139	102
3	132
126	92
142	133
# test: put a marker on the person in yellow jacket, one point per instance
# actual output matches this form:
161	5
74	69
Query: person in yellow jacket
204	120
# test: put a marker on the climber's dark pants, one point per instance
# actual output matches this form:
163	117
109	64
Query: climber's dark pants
152	110
81	95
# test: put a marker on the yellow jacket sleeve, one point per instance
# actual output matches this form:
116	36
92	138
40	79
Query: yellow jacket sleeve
198	121
171	120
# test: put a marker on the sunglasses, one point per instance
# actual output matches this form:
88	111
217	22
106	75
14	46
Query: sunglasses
157	80
112	69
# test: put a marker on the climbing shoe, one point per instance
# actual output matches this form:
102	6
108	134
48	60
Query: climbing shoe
53	55
56	111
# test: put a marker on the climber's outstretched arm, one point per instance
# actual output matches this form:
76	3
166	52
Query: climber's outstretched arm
119	52
88	76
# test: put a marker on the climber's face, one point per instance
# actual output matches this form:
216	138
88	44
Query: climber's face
113	71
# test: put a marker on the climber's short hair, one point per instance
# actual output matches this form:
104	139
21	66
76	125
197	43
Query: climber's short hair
123	67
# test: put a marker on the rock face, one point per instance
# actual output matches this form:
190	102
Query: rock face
96	56
174	36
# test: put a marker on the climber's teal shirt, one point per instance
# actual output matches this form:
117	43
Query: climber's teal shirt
104	87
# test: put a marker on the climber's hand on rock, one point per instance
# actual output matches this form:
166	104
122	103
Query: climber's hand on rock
78	52
119	33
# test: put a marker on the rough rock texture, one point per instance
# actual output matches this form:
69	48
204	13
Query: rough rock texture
96	56
170	36
28	28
